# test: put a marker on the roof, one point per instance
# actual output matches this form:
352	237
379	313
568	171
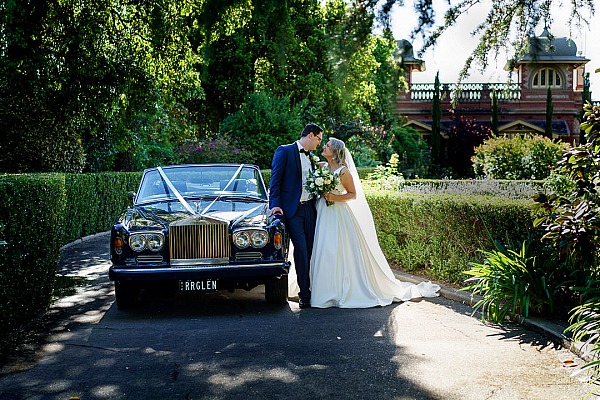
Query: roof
404	55
549	49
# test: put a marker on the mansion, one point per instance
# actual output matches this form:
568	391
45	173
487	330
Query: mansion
550	63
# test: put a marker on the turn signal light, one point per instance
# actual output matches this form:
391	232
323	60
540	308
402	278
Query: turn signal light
118	244
277	240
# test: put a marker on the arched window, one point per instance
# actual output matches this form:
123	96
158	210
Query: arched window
547	77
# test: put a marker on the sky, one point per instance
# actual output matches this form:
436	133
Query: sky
456	44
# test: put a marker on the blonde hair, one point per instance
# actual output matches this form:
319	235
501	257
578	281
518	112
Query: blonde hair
337	147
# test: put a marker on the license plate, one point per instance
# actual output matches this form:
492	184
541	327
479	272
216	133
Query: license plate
205	285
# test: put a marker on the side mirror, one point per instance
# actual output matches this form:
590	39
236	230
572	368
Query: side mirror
132	194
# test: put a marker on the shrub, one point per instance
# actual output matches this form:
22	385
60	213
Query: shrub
475	187
262	124
32	208
571	226
438	235
513	282
517	158
217	148
95	201
387	177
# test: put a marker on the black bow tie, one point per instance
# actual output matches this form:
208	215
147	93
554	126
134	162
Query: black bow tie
304	151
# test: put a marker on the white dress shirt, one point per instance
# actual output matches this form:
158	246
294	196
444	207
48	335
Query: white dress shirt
306	166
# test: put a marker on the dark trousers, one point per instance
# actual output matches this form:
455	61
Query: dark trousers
301	227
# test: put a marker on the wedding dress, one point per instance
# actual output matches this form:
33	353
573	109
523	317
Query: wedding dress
348	268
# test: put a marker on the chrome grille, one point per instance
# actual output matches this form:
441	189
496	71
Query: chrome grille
199	239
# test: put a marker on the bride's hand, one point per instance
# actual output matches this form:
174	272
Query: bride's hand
327	196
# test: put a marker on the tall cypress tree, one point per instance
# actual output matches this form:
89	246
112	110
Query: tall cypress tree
436	117
549	112
494	117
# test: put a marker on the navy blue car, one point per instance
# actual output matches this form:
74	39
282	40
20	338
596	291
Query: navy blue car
199	228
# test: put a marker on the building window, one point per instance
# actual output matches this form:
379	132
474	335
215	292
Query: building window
545	78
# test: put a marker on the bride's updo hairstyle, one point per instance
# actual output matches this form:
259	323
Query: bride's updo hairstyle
337	147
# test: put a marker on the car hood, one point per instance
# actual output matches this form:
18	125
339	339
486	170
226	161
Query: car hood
143	218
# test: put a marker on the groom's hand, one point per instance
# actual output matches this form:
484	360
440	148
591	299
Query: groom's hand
276	211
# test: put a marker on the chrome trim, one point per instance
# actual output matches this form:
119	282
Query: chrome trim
143	259
248	255
199	269
192	262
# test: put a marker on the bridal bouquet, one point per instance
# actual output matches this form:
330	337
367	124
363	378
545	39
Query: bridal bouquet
321	181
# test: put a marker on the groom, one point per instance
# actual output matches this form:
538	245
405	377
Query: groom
289	198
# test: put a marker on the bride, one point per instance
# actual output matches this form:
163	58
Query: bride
348	268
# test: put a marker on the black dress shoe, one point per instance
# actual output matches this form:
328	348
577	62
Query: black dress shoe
304	303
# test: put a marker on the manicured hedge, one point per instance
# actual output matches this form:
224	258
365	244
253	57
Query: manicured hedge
42	212
32	208
439	235
94	201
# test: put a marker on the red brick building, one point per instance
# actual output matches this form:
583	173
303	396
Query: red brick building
550	63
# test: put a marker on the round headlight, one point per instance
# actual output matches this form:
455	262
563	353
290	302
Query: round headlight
137	242
259	239
241	240
155	241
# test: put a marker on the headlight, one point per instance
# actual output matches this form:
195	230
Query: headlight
241	239
250	237
259	239
136	242
155	241
150	241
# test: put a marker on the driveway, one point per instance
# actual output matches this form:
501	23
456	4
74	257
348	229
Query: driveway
235	346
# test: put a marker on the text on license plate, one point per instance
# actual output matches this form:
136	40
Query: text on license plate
205	285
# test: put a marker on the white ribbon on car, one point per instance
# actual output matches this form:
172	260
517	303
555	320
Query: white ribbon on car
224	188
175	191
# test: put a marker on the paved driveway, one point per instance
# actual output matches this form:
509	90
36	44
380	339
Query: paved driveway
235	346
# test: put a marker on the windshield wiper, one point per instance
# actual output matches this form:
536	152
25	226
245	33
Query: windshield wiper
241	197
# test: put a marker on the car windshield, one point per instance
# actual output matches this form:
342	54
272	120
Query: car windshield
242	182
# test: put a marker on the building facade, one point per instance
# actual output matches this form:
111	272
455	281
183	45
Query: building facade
551	63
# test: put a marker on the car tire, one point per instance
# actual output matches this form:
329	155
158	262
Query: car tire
126	295
276	290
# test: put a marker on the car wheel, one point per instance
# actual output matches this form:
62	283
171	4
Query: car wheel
126	295
276	290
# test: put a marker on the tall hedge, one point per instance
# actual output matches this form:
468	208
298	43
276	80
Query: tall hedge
32	208
94	201
42	212
439	235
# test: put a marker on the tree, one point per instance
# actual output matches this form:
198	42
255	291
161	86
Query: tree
463	138
436	117
494	116
549	112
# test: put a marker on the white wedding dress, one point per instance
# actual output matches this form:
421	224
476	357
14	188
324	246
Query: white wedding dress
348	268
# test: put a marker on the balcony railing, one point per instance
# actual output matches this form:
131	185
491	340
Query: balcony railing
466	92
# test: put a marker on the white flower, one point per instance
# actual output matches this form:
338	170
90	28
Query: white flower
319	181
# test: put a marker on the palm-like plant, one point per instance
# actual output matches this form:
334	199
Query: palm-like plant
585	327
511	283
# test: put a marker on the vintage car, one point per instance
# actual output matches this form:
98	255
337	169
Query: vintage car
199	228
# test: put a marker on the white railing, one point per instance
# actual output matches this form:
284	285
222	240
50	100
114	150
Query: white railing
466	92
